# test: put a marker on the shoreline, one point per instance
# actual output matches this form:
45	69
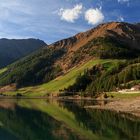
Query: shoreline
60	98
130	106
69	98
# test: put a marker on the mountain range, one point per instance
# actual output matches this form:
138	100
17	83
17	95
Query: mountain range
101	59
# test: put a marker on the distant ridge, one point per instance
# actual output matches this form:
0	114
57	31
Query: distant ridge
14	49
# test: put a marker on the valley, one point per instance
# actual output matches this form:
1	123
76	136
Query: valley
103	59
69	70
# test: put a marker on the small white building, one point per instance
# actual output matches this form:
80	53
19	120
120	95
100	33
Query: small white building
135	88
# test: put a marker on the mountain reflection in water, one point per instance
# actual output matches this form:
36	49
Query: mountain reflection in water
38	119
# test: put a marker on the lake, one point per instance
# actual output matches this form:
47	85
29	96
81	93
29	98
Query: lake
42	119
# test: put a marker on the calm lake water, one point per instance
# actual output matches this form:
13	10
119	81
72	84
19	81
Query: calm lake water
38	119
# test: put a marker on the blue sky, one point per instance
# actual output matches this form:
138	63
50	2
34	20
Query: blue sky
52	20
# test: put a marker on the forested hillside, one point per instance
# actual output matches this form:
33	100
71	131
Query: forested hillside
107	77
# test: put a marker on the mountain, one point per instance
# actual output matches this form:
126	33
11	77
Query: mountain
14	49
108	49
124	35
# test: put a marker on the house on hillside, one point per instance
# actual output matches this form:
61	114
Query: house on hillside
136	88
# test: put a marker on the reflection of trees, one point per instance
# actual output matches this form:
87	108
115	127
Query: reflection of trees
26	124
106	123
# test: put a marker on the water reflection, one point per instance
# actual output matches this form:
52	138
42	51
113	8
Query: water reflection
63	120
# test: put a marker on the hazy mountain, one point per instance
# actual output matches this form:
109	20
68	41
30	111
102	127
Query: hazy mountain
13	49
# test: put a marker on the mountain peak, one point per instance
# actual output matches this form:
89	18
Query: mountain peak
113	29
122	32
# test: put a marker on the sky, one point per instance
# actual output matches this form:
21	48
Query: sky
53	20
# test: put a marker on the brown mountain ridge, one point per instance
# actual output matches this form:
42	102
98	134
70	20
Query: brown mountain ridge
126	33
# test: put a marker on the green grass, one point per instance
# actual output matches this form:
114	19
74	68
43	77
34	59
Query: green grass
117	95
69	78
63	81
3	70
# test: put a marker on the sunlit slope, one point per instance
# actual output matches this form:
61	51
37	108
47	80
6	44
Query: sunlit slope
3	70
70	77
63	81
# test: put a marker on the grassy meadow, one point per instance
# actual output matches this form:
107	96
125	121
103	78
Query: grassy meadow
63	81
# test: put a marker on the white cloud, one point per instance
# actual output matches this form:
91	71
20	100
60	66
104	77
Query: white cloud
120	18
94	16
70	15
120	1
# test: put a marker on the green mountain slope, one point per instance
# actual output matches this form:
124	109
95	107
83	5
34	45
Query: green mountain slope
58	66
108	77
64	81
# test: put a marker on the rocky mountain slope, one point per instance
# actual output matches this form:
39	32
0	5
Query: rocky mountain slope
124	34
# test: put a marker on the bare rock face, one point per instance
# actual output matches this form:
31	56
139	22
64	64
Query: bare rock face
125	31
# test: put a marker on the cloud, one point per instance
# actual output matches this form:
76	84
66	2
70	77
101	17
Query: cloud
23	18
94	16
122	1
70	15
16	22
120	18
